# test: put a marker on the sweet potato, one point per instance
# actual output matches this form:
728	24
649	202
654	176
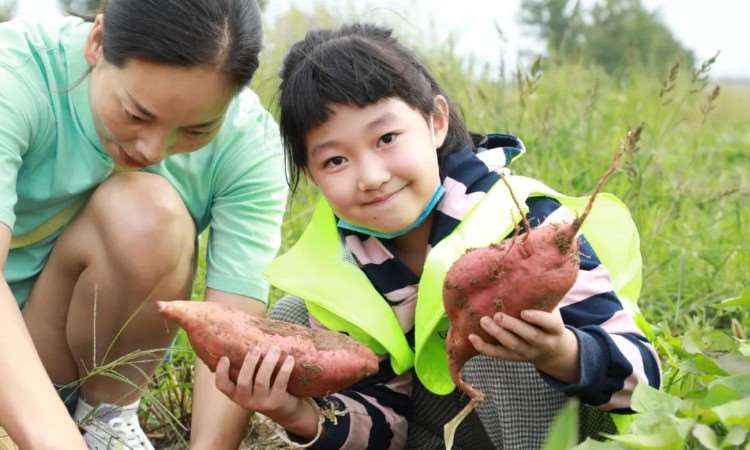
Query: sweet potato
325	361
533	269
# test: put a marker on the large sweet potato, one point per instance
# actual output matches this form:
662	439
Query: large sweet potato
530	270
533	270
325	361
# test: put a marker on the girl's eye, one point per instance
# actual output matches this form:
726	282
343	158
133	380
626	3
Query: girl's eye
334	162
387	138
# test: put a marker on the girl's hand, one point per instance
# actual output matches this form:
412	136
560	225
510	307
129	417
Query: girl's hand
254	389
540	338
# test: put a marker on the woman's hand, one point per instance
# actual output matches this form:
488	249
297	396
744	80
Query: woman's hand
540	338
256	389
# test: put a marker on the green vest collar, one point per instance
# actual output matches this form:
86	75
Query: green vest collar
337	292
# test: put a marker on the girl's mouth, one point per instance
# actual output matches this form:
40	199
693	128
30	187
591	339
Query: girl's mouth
382	199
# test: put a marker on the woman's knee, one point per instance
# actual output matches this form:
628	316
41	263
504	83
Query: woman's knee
144	226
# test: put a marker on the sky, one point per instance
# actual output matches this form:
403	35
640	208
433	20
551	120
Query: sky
701	25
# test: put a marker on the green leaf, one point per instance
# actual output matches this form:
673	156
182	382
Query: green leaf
691	344
563	434
708	365
733	363
733	413
741	300
726	389
647	399
735	437
652	431
719	341
648	441
592	444
706	436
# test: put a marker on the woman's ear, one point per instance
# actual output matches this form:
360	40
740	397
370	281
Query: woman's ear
440	120
93	48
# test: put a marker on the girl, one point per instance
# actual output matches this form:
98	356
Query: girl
406	191
123	138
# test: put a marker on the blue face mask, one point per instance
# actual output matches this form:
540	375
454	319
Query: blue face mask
437	194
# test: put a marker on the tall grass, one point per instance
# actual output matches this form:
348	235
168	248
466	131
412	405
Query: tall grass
687	185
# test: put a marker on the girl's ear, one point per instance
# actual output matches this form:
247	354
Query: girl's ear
93	47
440	120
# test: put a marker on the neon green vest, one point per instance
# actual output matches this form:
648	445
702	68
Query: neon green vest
340	296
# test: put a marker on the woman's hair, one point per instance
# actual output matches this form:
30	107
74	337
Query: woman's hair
226	34
356	65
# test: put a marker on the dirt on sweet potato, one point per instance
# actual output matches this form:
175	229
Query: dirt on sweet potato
532	269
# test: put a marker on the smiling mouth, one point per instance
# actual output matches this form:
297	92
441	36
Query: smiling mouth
383	199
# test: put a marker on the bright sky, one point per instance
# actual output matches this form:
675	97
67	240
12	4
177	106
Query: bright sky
703	26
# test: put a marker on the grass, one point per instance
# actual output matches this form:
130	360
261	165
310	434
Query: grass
687	186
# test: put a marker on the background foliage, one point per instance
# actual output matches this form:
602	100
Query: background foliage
606	68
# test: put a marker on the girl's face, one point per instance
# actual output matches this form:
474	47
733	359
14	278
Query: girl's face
145	111
377	166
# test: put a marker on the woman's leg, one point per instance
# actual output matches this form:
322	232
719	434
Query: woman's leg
132	244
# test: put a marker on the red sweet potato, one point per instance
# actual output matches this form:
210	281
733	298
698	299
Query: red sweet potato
325	361
530	270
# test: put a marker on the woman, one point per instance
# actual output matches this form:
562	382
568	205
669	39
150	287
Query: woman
122	139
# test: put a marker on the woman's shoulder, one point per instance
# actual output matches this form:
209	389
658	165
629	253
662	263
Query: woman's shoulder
248	123
247	113
23	39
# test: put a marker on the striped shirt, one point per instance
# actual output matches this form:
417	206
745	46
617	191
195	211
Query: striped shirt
614	354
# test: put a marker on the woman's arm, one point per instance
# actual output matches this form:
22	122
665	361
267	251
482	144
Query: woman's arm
218	423
30	409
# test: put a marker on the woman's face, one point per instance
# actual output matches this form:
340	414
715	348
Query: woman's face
146	111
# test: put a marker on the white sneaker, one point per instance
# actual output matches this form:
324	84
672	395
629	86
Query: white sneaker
111	427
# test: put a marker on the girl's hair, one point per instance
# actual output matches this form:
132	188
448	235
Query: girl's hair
356	65
222	33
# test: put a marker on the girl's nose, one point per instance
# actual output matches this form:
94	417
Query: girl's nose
373	173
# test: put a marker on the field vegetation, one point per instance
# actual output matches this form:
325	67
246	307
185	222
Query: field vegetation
687	185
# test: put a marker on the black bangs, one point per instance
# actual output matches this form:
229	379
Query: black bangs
356	65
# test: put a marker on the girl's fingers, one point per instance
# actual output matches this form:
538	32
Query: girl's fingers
267	366
223	383
282	378
491	327
549	322
523	330
494	351
504	337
